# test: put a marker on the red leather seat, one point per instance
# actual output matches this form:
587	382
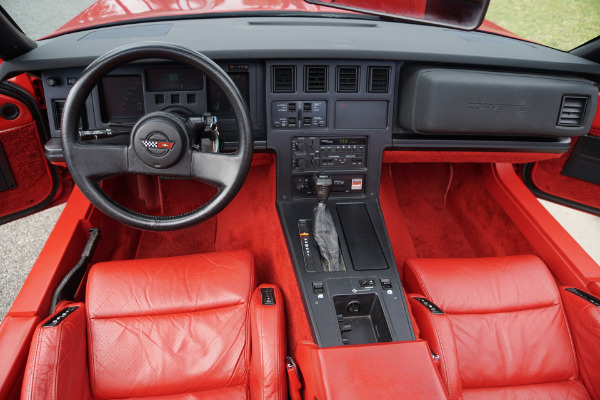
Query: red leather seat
503	332
183	327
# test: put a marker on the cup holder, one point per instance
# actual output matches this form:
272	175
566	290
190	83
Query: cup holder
361	319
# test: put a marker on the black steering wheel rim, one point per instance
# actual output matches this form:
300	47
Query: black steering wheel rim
238	163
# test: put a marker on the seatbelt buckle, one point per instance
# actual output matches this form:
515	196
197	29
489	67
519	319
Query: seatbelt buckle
294	382
435	358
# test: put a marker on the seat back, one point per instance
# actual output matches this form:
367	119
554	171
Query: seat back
170	326
508	327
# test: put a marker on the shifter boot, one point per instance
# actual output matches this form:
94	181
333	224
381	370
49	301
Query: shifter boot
324	232
326	236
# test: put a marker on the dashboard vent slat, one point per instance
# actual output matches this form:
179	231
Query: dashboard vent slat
316	79
347	79
379	79
284	79
572	111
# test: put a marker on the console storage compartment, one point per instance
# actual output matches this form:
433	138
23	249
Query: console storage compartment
361	319
363	244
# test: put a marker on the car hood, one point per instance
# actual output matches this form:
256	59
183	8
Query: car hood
117	11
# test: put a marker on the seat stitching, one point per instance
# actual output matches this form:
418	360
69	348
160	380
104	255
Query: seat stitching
419	278
525	384
168	314
35	369
584	370
441	347
566	322
428	295
55	378
501	312
92	361
583	387
172	394
261	325
278	364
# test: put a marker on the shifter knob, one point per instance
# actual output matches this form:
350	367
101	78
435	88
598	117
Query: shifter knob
322	184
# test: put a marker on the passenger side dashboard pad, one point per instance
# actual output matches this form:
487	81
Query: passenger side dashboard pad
459	101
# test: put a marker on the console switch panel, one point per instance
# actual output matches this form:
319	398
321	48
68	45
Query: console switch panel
351	184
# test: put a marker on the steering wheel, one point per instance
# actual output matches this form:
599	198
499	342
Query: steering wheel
160	142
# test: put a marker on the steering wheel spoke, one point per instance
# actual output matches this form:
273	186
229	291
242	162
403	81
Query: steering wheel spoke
97	162
217	169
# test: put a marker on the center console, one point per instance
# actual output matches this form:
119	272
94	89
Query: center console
317	124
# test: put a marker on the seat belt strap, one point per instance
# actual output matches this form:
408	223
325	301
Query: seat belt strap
294	382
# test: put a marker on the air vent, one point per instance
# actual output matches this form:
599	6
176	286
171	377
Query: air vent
572	111
378	79
58	106
316	79
284	79
347	79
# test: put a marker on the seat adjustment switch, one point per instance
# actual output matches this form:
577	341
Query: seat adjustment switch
268	296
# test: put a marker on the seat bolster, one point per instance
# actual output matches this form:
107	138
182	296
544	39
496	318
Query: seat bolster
584	321
482	285
436	329
57	364
267	365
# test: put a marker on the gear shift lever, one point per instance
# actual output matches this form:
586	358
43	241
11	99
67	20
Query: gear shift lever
324	231
322	183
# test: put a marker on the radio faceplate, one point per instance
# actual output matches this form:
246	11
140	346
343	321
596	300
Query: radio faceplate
311	152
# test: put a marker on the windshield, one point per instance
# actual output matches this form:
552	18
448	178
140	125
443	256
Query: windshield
560	24
39	18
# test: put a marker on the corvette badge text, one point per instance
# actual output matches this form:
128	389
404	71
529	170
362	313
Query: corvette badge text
496	107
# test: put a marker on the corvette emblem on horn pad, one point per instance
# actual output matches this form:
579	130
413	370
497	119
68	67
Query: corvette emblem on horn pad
155	144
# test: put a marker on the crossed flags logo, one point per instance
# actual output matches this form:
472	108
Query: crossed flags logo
155	144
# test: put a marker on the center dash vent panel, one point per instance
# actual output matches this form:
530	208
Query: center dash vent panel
284	79
315	79
347	79
379	78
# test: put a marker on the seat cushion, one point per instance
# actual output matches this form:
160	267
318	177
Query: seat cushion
507	322
149	320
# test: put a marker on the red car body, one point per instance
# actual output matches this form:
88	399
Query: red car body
113	12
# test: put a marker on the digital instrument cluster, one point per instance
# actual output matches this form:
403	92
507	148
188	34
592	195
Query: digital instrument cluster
127	97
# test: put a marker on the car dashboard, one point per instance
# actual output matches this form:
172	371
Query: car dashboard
332	94
362	70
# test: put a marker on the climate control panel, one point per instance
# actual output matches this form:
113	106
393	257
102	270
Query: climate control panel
309	152
307	114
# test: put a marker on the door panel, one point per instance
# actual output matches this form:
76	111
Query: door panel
28	182
550	180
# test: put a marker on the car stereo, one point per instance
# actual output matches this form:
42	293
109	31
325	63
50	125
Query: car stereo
309	152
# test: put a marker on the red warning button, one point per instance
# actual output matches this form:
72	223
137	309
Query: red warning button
357	184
